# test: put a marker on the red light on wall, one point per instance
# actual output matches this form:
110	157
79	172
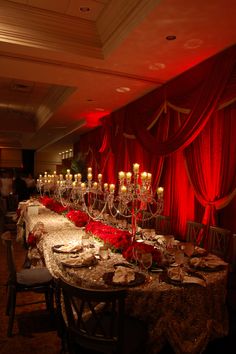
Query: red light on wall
93	118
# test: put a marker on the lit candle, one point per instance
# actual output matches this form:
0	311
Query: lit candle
99	177
121	175
149	176
105	186
89	169
79	176
144	176
83	186
160	190
128	175
95	185
112	188
90	176
135	168
123	189
68	172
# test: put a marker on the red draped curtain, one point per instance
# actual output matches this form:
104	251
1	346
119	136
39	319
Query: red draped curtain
211	163
178	124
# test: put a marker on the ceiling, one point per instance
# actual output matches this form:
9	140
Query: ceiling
65	64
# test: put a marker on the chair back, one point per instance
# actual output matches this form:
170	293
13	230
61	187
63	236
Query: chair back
163	225
95	318
7	240
194	231
219	241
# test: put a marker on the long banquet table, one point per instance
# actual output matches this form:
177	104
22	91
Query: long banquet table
187	316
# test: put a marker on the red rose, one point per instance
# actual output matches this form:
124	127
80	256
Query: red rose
31	240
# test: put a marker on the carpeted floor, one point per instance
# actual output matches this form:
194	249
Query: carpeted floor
34	331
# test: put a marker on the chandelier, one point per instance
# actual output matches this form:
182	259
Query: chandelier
132	199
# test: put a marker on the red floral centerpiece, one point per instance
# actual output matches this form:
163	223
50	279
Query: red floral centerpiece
53	205
117	239
128	253
78	217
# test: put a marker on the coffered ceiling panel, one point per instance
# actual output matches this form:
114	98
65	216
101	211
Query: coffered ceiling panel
65	64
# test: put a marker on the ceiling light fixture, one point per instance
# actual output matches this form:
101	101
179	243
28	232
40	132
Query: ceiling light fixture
84	9
123	89
156	66
99	109
170	38
22	86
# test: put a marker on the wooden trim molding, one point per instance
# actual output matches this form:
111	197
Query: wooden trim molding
35	27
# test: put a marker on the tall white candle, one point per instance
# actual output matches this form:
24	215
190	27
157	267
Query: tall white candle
136	168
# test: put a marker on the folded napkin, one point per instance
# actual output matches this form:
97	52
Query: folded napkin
199	251
176	274
70	248
180	276
123	275
208	262
84	260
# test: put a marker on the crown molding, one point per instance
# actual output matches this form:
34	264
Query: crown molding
119	18
55	98
34	27
77	66
81	124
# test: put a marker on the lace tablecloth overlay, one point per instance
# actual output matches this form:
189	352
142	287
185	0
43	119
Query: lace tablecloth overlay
187	316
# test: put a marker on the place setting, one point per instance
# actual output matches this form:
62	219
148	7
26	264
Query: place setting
129	274
67	248
85	259
125	276
209	263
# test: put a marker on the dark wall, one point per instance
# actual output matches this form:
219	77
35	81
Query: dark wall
28	161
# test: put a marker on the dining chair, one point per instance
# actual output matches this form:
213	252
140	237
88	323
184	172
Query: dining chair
7	218
163	225
96	321
219	241
194	230
26	280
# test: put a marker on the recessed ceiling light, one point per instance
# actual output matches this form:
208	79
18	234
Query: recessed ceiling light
22	86
123	89
156	66
171	37
193	43
84	9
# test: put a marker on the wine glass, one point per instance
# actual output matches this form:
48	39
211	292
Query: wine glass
85	241
179	257
104	253
134	252
139	254
146	260
189	249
